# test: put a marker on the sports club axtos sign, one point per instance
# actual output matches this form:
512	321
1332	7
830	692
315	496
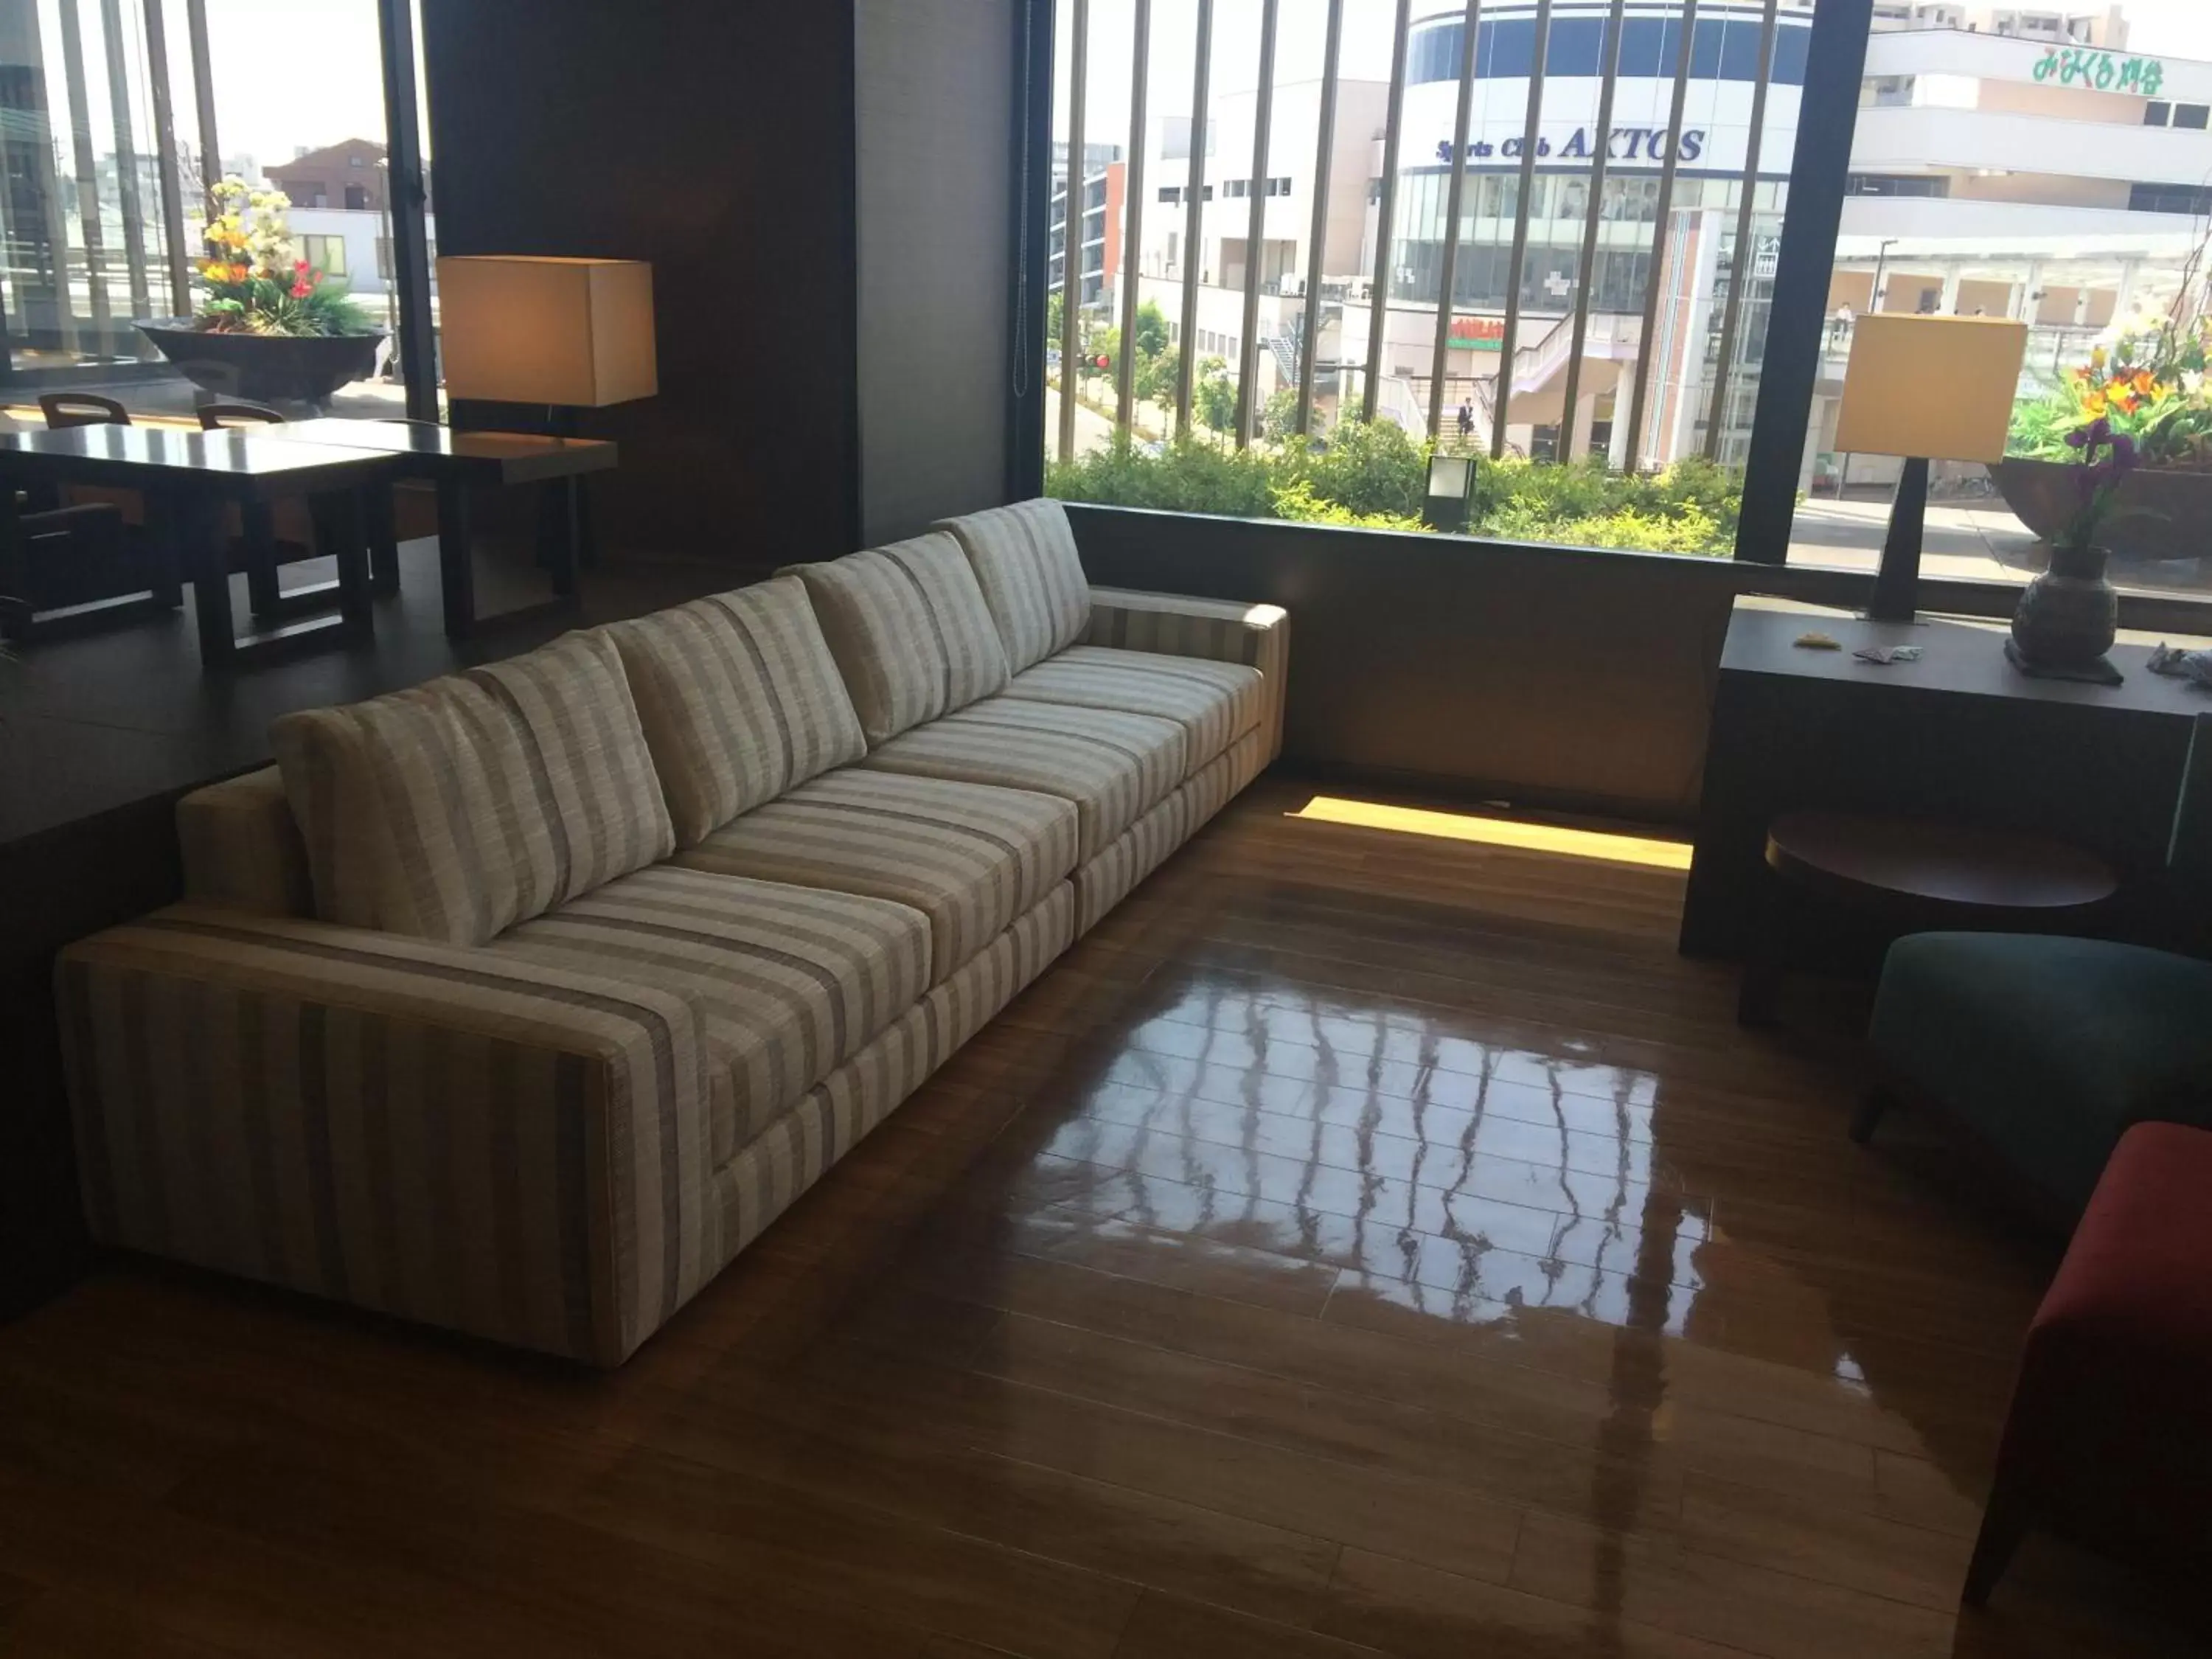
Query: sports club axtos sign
1649	144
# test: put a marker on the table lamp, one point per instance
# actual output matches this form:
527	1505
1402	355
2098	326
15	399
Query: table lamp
1926	389
564	333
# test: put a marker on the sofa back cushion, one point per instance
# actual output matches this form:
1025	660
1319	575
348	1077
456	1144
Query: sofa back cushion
740	700
910	632
1025	561
457	808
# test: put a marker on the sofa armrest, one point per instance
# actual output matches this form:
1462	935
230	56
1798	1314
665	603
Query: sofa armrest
1177	625
434	1131
242	847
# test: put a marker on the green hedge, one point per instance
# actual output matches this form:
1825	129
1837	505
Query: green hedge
1375	477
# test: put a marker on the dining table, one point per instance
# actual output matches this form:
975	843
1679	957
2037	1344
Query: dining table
187	478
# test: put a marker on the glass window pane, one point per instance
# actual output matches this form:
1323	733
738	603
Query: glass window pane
2099	263
87	249
1622	288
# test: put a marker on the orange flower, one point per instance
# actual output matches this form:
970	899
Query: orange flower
240	273
2145	382
2095	405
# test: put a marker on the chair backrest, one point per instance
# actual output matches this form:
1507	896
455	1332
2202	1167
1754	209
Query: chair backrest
216	415
68	408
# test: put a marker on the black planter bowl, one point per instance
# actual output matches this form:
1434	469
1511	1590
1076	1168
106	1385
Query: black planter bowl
265	368
2159	514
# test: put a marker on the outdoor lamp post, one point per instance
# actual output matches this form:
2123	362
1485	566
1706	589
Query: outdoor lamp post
1451	491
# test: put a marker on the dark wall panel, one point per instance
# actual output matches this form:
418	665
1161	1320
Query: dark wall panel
715	138
935	96
1537	675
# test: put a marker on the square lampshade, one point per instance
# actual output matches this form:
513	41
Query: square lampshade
1934	388
575	333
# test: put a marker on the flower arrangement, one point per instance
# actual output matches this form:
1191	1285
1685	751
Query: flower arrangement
256	284
2150	385
2103	459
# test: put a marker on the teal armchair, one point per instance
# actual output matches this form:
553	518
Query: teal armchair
2048	1048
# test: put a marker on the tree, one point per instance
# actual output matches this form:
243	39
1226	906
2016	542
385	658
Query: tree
1151	329
1279	415
1157	372
1056	316
1213	398
1374	467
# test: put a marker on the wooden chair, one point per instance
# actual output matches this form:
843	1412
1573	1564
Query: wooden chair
64	409
71	569
215	416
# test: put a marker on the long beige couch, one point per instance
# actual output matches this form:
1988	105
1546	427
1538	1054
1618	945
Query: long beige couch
521	1001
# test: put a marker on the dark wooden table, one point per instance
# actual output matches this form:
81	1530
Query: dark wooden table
1960	736
1912	875
459	461
185	478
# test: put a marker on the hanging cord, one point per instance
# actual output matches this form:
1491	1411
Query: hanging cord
1021	355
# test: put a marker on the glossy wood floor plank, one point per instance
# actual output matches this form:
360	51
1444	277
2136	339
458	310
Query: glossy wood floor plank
1364	1244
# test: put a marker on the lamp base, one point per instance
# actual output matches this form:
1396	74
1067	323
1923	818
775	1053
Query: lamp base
1896	583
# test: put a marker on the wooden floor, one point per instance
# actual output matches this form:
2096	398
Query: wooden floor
1363	1243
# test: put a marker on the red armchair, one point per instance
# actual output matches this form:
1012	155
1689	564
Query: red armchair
2109	1440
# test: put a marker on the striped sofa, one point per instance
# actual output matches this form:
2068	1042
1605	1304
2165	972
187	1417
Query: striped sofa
521	1001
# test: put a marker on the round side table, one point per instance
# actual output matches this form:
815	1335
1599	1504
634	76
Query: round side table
1914	875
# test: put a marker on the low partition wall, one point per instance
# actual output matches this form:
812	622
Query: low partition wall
1540	675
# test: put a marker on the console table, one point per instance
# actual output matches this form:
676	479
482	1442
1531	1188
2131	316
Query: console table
456	461
1960	735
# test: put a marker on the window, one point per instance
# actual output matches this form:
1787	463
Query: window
1602	304
324	253
101	105
1878	184
2074	296
2194	200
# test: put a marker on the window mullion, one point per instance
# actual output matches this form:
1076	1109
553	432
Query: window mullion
1455	195
1193	218
1586	277
1308	359
1662	211
1531	136
1124	390
1378	304
1741	271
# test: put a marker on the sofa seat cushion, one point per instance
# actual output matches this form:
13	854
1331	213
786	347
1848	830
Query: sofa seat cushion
454	809
740	700
791	981
1113	766
1025	559
1214	703
970	857
909	631
2048	1047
